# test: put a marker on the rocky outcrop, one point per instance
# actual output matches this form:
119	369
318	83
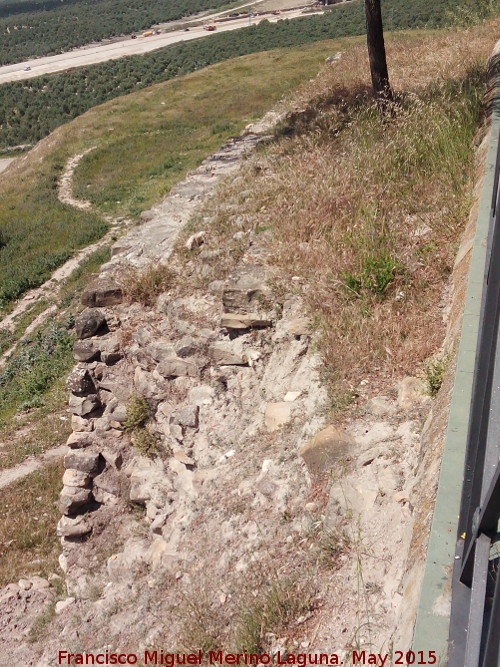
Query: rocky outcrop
208	389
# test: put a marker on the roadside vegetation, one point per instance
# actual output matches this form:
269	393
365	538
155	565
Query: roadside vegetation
29	110
33	415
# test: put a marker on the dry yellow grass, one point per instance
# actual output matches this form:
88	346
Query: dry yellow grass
370	210
28	514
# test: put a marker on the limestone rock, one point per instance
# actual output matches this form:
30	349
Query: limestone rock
148	481
160	349
181	456
146	216
102	292
327	448
85	350
62	605
177	367
83	405
379	406
277	415
299	326
109	480
411	393
80	440
73	499
80	425
195	240
245	321
122	567
73	527
187	416
89	323
148	386
110	350
76	478
79	381
370	455
39	583
223	354
201	394
113	458
239	295
401	497
186	347
118	413
83	461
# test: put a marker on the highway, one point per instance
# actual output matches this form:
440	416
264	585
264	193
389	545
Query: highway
99	53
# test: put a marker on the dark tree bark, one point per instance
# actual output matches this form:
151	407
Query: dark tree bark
376	51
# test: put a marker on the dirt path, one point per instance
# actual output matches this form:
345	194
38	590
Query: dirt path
50	289
65	192
29	465
4	163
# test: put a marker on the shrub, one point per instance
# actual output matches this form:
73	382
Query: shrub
147	284
138	416
272	612
138	413
435	370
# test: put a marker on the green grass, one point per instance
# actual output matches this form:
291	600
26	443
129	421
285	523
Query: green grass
33	415
29	110
9	337
149	140
81	276
39	233
34	368
435	371
144	147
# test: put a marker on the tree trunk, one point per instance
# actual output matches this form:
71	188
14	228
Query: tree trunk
376	51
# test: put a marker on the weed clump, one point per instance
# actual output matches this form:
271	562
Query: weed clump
138	415
333	544
435	370
376	274
272	612
144	286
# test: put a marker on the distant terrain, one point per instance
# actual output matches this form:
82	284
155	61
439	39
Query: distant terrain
31	29
30	110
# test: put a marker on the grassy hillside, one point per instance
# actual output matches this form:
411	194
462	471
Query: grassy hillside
368	210
146	141
29	110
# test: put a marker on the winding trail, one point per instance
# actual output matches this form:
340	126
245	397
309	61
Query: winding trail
49	290
30	464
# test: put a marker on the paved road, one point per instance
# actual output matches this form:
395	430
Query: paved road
90	55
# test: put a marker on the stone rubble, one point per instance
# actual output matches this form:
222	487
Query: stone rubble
231	464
